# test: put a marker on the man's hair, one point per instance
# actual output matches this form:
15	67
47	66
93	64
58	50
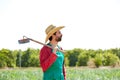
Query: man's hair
51	36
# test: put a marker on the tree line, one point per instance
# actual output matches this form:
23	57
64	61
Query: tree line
74	57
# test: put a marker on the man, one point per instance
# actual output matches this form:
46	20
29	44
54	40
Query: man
52	60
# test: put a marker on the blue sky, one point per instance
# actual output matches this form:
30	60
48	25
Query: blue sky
89	24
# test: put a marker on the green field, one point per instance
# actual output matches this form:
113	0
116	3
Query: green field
72	74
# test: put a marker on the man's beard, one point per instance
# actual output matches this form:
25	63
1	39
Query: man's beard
58	39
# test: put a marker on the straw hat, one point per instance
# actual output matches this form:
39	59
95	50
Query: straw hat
50	30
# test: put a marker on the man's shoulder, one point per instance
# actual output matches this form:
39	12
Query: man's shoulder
45	48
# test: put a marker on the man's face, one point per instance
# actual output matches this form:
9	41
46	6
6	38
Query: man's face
58	36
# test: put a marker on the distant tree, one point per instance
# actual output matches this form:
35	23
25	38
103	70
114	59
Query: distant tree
30	58
83	59
110	59
7	58
98	59
72	56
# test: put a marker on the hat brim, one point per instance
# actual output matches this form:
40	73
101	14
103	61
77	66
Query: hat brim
52	32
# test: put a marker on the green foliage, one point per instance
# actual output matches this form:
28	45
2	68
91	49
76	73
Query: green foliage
115	51
66	61
83	59
18	56
91	53
110	59
7	58
73	73
30	58
72	56
98	60
21	74
75	57
3	61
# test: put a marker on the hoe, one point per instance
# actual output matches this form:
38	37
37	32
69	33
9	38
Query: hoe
26	40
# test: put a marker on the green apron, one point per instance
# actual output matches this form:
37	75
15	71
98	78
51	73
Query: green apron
55	71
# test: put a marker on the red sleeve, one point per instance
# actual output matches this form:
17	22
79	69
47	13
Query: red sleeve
47	58
64	72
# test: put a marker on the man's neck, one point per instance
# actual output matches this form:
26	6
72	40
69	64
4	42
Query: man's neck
53	43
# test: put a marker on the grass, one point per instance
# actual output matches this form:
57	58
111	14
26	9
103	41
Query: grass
21	74
72	74
93	74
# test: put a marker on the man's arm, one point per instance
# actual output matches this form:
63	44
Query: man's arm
64	72
47	58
